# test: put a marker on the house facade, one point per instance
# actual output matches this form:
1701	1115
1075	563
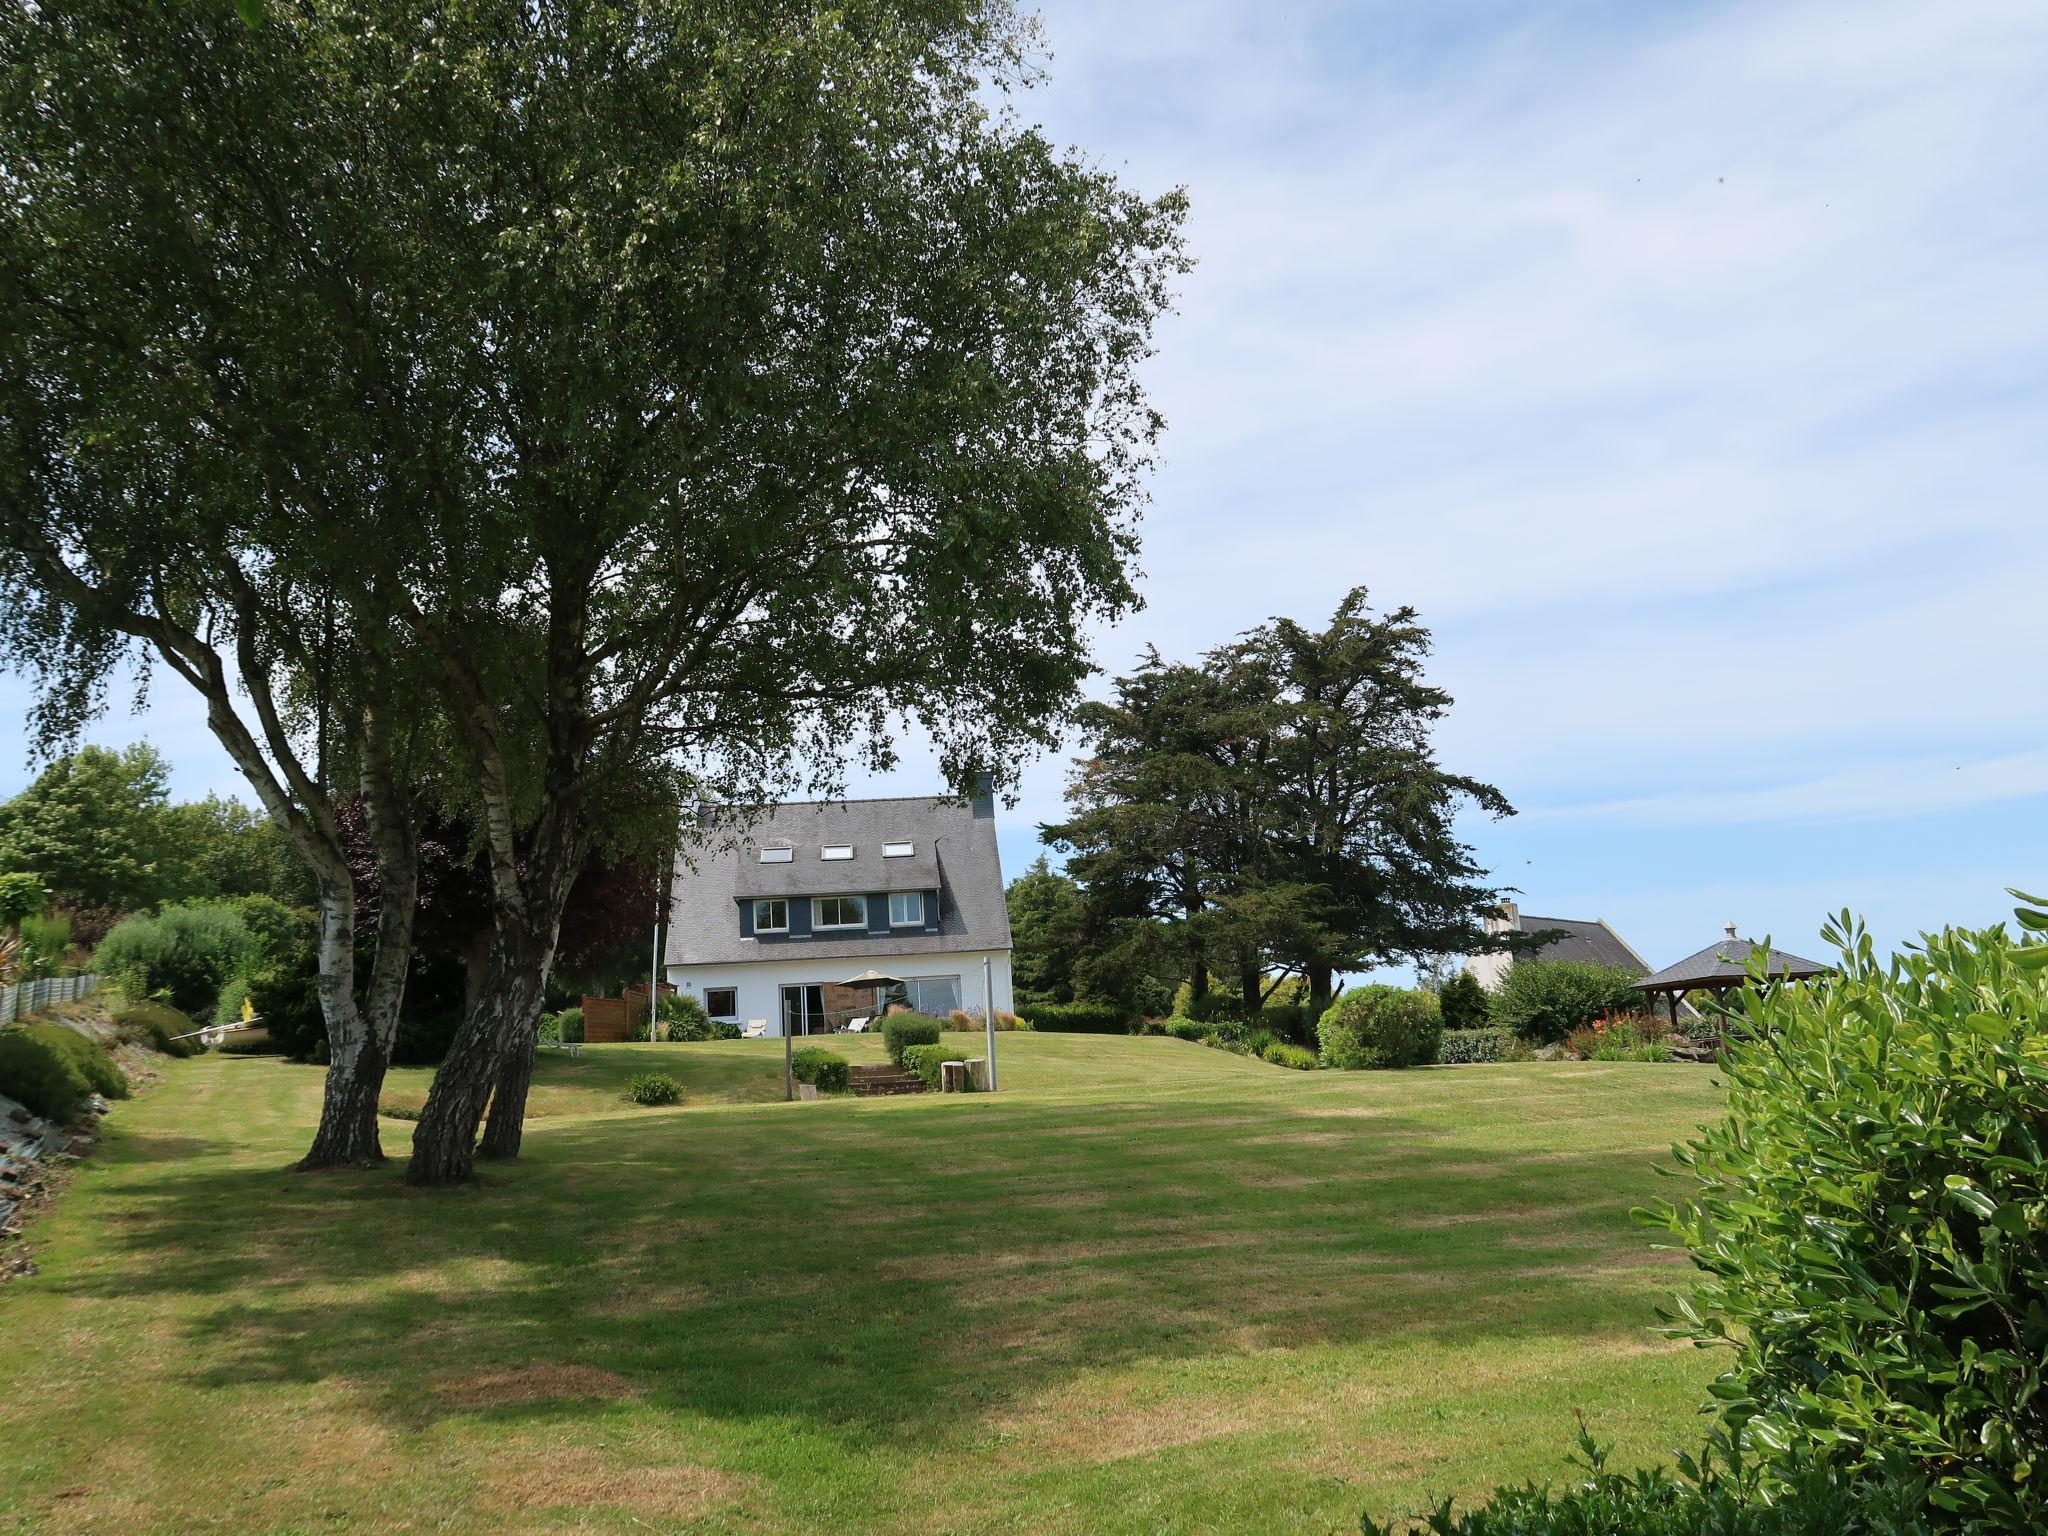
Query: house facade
771	918
1576	938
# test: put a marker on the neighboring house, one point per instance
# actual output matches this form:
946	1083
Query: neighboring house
1580	939
771	923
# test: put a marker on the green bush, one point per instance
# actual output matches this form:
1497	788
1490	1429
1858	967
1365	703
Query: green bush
1284	1053
569	1023
1470	1045
550	1029
1190	1029
287	1008
83	1056
1463	1002
1706	1501
1545	1000
1079	1018
1869	1220
1375	1027
45	943
685	1016
900	1031
827	1071
654	1088
39	1076
925	1060
182	954
393	1111
154	1026
1628	1037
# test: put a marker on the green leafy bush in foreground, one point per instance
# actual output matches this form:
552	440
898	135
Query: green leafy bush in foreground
1871	1221
900	1031
1372	1027
654	1088
827	1071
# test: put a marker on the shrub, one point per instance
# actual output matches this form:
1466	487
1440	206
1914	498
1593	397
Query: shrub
45	943
1080	1018
183	954
1463	1002
570	1024
550	1029
392	1111
1372	1027
287	1006
900	1031
1545	1000
154	1026
82	1055
1470	1045
827	1071
39	1076
684	1014
925	1060
1283	1053
1624	1037
654	1088
1867	1220
1190	1029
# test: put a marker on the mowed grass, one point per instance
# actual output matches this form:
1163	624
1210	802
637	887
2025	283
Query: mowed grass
1147	1288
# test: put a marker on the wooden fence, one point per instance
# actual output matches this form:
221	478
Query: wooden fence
26	997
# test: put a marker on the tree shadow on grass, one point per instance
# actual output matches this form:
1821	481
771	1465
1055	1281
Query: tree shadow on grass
874	1269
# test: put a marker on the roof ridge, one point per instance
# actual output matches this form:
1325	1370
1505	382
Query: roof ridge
785	805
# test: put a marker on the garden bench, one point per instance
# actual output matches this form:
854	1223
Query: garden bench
573	1047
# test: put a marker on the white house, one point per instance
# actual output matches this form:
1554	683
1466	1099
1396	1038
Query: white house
1572	938
779	914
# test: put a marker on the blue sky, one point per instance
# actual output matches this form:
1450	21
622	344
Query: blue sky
1685	365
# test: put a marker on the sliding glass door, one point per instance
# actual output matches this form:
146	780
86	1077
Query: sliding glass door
803	1010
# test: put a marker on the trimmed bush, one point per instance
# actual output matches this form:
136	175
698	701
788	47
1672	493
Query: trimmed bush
1080	1018
1462	1046
569	1022
152	1026
925	1060
1867	1220
183	954
1463	1002
900	1031
39	1076
1198	1030
1545	1000
391	1111
827	1071
654	1088
1381	1027
1284	1053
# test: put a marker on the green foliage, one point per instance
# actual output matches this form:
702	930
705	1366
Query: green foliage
1284	1053
91	826
85	1055
392	1111
1190	1029
1708	1500
1623	1037
1047	922
1475	1045
153	1025
1868	1220
39	1075
684	1014
182	953
22	896
654	1088
1078	1018
900	1031
222	848
926	1060
287	1005
45	943
1375	1027
569	1025
1545	1000
827	1071
1463	1002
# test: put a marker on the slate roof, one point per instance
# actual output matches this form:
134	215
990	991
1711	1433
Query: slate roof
1583	940
1728	961
954	851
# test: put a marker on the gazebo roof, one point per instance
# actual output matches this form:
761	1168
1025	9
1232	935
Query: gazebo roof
1726	964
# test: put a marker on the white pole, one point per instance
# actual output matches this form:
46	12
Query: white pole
988	1015
654	967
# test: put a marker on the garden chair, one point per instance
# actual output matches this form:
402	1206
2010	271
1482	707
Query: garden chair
757	1029
858	1026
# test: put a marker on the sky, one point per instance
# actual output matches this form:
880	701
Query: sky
1684	364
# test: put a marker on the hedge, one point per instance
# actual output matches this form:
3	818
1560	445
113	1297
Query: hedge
900	1031
827	1071
51	1070
925	1061
1079	1018
1372	1027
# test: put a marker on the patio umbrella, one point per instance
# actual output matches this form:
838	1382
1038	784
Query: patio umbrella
872	979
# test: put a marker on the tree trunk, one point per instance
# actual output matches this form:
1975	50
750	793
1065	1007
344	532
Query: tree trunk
1318	992
507	1122
444	1141
347	1135
1251	982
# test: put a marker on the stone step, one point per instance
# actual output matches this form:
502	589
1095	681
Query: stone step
877	1081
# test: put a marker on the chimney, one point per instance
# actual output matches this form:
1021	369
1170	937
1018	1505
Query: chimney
1506	918
1729	929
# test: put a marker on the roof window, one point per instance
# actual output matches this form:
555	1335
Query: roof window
836	851
777	853
897	850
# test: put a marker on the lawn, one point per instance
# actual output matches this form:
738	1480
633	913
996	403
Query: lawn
1148	1288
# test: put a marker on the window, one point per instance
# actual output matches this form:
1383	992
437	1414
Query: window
836	851
906	909
777	853
935	995
722	1002
771	916
897	850
839	911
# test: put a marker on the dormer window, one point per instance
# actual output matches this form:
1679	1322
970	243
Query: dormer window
839	912
836	851
897	850
771	916
777	853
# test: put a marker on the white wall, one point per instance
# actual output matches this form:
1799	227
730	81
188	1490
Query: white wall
760	982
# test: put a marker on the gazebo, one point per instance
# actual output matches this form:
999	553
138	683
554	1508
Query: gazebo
1720	968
